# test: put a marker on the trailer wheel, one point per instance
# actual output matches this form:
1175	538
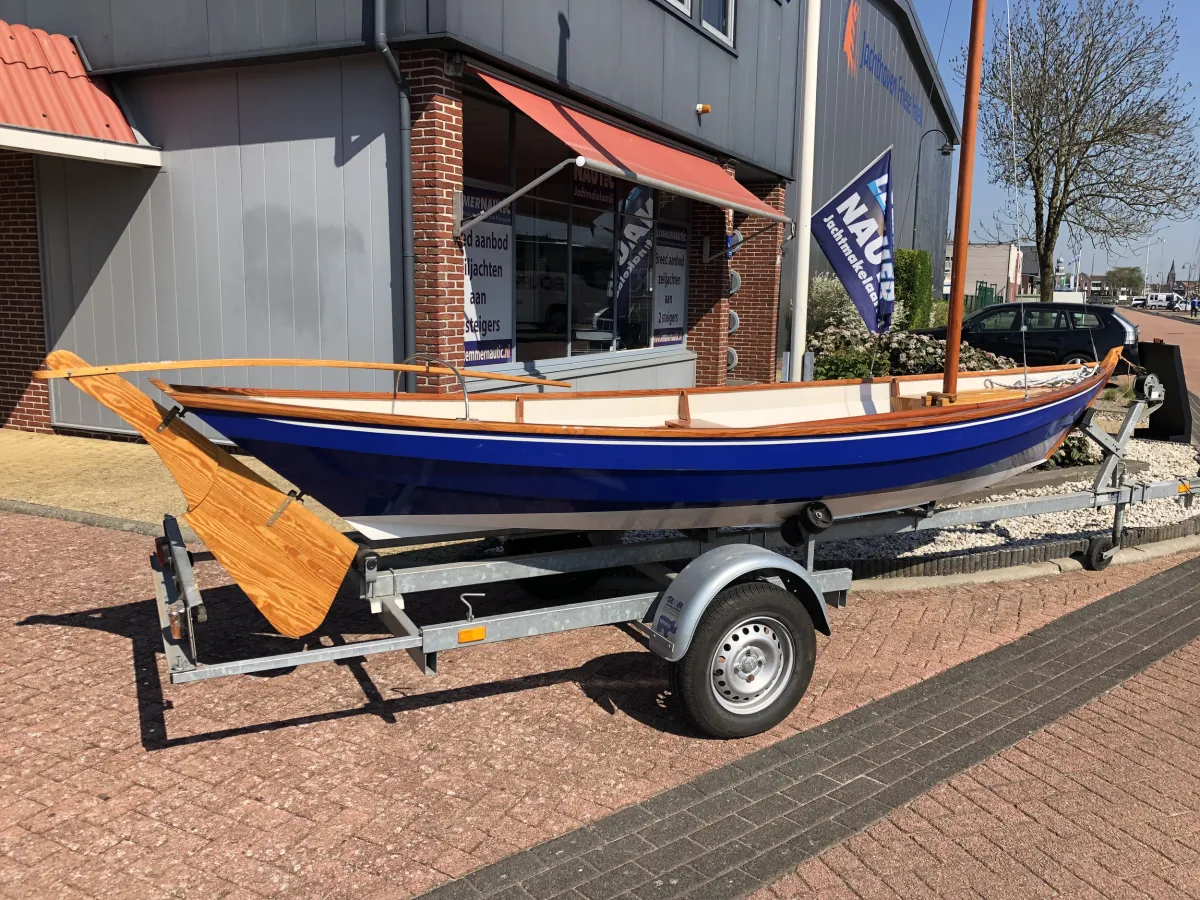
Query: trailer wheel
749	663
1094	557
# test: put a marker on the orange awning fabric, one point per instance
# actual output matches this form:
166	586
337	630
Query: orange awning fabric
607	148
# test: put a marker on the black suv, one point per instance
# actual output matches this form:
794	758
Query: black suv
1054	332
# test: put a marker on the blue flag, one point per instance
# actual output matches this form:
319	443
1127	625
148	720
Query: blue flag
855	231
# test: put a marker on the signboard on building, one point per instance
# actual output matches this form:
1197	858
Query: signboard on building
670	285
488	285
855	231
590	188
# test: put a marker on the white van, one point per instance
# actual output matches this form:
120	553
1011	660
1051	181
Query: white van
1165	301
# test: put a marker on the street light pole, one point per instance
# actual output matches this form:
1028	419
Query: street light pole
946	150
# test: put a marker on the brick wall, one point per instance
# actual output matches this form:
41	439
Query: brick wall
437	175
24	403
708	295
757	301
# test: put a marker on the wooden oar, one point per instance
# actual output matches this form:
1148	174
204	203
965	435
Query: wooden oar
121	369
289	562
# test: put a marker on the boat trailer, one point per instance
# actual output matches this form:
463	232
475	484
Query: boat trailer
735	621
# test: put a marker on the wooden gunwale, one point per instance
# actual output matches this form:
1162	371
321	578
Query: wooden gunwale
559	395
890	421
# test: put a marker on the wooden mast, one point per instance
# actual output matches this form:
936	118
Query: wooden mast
962	209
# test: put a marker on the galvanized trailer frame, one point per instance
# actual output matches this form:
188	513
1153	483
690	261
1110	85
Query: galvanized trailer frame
667	615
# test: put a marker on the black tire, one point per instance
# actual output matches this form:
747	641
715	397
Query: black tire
554	587
695	678
1094	558
1077	358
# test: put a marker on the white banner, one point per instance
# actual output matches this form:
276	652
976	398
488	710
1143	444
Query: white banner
488	286
670	285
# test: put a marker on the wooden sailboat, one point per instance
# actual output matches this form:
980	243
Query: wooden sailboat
410	465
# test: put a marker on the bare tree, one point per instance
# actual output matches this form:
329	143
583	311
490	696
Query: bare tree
1104	135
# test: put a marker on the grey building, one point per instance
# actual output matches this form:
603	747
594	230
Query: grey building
278	222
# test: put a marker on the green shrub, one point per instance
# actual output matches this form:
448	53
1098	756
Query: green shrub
914	289
852	362
1076	450
939	315
828	303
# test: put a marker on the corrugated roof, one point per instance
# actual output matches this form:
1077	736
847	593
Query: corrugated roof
44	86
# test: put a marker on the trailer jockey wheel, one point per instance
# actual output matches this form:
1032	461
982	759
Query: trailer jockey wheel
1095	557
749	663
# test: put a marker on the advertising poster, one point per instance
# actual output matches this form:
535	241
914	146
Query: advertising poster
488	291
670	285
854	230
634	243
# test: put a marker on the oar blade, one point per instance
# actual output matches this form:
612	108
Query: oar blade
287	561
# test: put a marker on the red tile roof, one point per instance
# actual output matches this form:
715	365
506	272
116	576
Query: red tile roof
44	86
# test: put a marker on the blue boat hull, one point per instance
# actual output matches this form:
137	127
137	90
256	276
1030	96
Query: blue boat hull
402	482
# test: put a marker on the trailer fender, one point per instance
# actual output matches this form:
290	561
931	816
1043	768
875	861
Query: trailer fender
674	617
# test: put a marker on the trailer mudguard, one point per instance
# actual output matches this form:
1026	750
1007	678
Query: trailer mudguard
678	611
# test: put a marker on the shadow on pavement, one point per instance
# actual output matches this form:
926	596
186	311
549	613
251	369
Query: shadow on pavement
632	683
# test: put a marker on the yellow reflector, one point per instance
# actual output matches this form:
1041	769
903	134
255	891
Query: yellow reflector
470	635
1185	487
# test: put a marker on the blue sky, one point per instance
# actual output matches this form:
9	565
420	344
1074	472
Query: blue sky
954	16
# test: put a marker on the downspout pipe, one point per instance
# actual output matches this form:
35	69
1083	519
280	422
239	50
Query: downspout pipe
408	260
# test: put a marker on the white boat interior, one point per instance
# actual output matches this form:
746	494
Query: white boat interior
734	408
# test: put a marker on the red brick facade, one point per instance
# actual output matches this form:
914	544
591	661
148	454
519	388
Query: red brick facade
24	403
437	176
708	295
757	301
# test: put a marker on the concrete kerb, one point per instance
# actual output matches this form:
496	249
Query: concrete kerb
1125	556
995	575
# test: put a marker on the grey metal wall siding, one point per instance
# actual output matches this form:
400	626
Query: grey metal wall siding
857	119
642	56
267	232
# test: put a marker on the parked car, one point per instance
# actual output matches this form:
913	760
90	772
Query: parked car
1138	301
1054	332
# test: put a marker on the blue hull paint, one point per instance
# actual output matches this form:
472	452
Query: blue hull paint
374	471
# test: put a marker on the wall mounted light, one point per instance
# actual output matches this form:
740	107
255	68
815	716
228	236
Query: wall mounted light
703	108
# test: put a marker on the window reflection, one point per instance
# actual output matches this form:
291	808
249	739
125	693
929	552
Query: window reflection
541	279
591	280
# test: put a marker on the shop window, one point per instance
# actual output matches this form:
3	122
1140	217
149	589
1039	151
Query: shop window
487	156
584	263
542	271
591	278
717	17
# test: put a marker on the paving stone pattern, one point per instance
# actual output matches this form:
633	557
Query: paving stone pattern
740	827
1102	803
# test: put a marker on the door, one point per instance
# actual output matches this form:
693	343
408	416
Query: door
1046	333
993	331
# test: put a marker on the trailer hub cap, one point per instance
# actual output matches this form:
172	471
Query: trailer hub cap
752	665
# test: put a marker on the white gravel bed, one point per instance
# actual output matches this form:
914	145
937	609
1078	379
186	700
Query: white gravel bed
1165	461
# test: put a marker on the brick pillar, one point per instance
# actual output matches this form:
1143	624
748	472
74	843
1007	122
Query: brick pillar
24	403
757	301
708	295
437	175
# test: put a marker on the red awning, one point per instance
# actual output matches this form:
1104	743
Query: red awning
49	105
613	150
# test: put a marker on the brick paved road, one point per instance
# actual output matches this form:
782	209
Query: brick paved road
1103	803
367	780
744	825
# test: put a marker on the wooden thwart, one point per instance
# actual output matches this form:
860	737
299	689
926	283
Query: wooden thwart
290	569
86	370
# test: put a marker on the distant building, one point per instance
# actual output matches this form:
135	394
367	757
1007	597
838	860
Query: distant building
997	266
